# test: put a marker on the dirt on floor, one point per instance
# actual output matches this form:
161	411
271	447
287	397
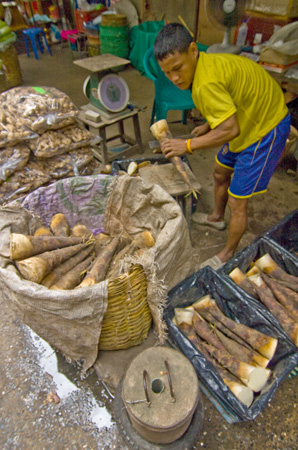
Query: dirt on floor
44	402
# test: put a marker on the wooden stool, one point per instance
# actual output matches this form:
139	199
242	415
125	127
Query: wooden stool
167	176
100	128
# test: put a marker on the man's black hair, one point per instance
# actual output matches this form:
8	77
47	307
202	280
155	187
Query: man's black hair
171	38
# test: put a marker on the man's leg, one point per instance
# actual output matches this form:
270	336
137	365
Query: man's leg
237	226
222	180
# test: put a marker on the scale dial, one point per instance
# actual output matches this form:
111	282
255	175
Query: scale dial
113	92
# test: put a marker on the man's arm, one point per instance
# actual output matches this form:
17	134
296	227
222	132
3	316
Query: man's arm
222	134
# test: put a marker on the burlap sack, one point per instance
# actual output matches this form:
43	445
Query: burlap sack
70	320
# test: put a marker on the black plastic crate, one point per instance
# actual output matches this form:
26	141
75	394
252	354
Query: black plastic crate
244	309
122	164
285	233
258	248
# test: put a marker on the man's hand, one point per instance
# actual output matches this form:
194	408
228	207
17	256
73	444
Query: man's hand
173	147
201	129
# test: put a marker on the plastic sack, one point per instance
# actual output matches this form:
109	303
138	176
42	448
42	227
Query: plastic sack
79	136
67	165
57	142
285	40
12	159
285	233
244	309
50	143
12	131
22	181
38	108
5	44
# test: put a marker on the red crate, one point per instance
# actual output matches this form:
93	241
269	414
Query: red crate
82	17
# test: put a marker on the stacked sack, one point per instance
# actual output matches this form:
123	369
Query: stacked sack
10	71
40	140
6	35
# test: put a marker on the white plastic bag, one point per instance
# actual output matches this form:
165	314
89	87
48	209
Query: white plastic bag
285	40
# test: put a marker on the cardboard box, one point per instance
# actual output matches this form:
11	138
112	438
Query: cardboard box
268	55
278	8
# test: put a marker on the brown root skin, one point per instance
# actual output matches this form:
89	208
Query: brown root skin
267	265
266	345
241	352
103	238
71	279
22	246
279	311
81	231
101	264
37	267
242	392
204	330
145	239
59	225
43	231
241	280
117	260
253	377
285	296
61	270
218	325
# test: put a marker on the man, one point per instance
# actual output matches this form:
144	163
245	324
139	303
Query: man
245	113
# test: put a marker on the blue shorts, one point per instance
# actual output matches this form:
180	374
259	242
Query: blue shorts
254	166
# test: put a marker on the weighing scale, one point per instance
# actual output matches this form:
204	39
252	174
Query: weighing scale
108	93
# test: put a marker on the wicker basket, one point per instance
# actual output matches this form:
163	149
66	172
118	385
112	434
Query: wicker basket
128	319
13	76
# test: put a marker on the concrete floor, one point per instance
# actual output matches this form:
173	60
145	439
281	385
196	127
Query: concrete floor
27	420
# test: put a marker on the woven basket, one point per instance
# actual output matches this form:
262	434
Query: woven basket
113	20
128	319
13	76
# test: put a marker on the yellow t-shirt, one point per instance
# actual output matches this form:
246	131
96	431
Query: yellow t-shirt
225	84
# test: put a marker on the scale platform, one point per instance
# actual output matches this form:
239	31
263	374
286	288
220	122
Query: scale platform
101	63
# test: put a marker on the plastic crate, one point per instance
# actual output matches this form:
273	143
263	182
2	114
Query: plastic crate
83	17
258	248
244	309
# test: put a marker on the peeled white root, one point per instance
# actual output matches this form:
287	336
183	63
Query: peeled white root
253	377
243	393
132	168
266	262
183	315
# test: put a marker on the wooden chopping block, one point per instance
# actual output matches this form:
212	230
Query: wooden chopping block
167	176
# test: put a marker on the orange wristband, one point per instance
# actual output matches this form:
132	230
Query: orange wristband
188	147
